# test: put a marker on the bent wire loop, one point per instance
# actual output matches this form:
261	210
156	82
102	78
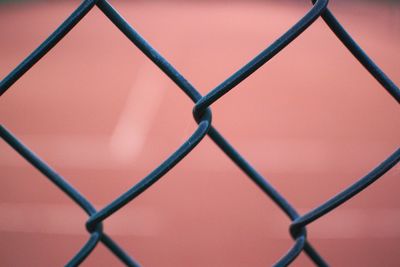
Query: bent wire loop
202	114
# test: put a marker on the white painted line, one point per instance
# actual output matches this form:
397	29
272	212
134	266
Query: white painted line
70	220
76	151
342	223
147	221
302	155
144	99
100	151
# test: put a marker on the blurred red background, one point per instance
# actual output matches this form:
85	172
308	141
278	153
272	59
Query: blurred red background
311	120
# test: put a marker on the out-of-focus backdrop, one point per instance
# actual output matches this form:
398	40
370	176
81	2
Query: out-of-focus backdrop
312	121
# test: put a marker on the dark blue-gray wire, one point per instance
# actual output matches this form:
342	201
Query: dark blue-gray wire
235	79
346	194
97	233
202	115
47	45
360	55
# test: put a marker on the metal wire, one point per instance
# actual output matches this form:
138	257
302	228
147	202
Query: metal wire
202	115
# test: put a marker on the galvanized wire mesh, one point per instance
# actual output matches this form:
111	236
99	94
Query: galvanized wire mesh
202	114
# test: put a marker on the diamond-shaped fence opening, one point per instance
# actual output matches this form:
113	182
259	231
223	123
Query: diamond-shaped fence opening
203	116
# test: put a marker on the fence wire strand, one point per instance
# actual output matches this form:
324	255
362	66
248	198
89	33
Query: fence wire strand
202	114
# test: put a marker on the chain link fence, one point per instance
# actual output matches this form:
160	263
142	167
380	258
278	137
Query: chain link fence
203	116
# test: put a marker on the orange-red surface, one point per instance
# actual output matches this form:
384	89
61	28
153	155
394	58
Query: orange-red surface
312	121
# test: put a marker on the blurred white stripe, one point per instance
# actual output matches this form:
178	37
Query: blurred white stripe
146	221
70	219
350	223
139	112
302	155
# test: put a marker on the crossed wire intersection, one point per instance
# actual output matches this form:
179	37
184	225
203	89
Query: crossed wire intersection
203	116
